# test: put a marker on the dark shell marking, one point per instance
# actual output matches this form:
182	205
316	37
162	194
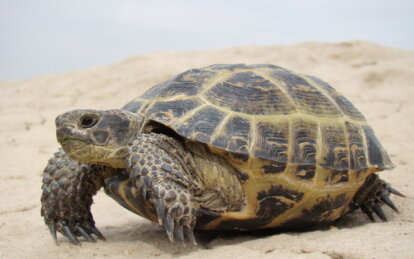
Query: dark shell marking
336	151
272	141
274	168
133	106
376	154
249	93
344	104
271	203
321	212
307	98
188	83
202	124
357	156
170	110
236	135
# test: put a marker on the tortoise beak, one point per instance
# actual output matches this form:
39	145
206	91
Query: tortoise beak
67	129
64	129
63	119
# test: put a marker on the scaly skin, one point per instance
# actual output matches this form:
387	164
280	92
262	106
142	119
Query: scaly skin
160	172
373	195
68	187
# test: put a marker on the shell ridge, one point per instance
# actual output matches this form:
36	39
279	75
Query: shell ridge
220	127
253	133
190	114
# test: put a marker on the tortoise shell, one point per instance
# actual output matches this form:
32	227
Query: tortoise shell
282	131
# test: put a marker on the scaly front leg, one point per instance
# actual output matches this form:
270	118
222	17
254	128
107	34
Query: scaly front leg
68	187
162	171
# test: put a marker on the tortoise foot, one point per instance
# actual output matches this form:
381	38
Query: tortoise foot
175	212
68	187
71	232
373	195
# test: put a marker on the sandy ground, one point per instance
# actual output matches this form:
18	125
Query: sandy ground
378	80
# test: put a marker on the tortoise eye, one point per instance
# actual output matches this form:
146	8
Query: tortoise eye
88	121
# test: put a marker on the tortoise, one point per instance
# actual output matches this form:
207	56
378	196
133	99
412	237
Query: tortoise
224	147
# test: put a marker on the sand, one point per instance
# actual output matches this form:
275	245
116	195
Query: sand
377	79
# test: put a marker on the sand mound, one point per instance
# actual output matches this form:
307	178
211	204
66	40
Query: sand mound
378	80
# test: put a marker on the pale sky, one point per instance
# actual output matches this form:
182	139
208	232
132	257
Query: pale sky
40	37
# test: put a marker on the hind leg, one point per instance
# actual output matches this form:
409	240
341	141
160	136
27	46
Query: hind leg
373	195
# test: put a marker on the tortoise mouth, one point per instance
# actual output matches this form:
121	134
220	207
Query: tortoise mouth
74	146
68	135
68	140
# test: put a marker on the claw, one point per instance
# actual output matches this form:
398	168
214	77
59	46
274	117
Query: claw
395	192
179	232
97	233
144	192
147	181
369	214
69	234
160	206
377	209
190	235
388	201
169	226
52	228
86	235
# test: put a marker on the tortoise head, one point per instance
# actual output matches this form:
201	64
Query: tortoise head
97	137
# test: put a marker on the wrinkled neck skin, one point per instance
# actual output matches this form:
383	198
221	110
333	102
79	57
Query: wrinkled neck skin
114	157
98	137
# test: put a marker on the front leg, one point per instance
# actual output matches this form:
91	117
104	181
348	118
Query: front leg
162	171
68	187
